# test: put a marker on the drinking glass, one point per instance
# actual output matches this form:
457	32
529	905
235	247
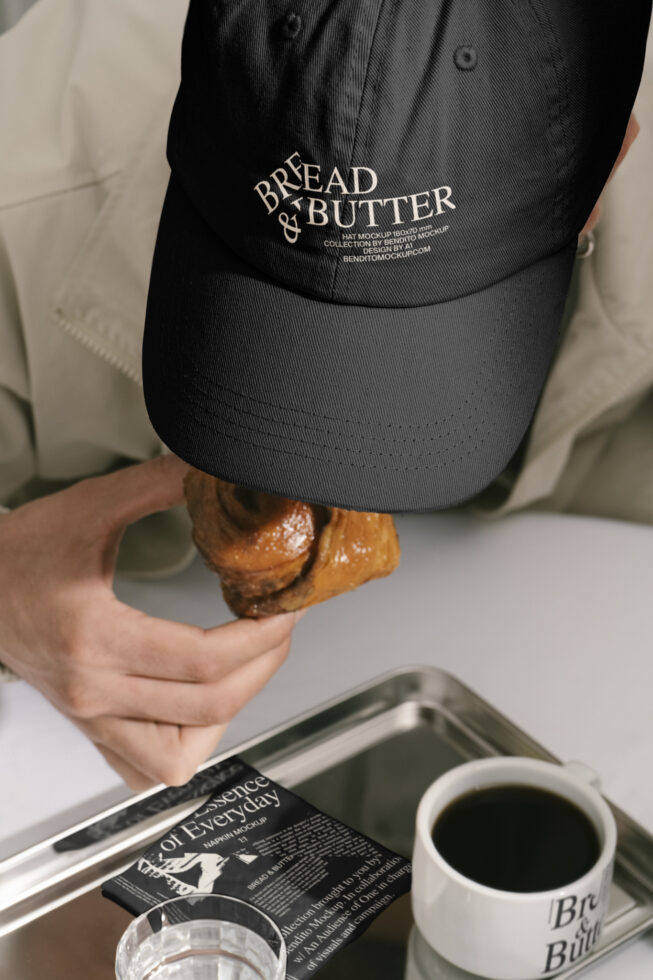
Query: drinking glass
201	937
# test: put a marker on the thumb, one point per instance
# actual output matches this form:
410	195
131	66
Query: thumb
132	492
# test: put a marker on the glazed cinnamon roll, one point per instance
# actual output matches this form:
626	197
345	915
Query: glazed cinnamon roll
276	555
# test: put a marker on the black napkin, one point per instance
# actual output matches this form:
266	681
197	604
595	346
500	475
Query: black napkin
322	882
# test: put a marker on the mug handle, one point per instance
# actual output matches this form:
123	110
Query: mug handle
583	772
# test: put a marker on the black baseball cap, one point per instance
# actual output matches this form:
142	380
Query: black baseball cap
368	235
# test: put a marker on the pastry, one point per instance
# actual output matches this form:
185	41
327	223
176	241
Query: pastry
275	555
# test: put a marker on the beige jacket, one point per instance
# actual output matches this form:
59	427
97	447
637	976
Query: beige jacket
86	89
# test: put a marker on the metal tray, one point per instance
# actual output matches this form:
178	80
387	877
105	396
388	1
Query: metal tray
365	758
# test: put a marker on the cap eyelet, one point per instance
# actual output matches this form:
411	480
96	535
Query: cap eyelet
291	25
585	245
465	57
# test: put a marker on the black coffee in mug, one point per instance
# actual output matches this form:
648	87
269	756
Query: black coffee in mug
516	838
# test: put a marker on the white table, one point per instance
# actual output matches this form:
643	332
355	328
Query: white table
548	617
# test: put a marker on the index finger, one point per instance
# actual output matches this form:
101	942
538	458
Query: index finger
169	650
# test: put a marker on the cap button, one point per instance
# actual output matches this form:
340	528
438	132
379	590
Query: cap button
291	25
465	57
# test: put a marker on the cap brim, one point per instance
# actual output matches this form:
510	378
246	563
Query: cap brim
366	408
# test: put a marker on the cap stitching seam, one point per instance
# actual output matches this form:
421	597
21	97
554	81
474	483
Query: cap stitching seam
346	449
258	401
325	459
297	425
563	86
307	414
338	263
325	431
246	412
558	209
359	34
373	101
551	101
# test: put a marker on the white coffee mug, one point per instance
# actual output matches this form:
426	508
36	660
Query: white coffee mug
505	935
